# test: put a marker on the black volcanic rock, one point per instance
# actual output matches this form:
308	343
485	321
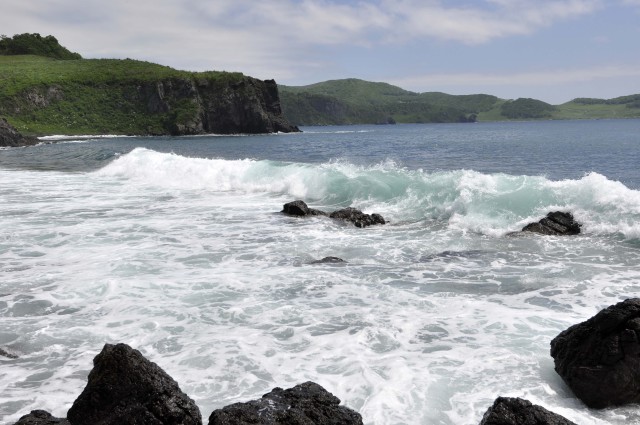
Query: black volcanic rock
516	411
599	359
126	388
555	223
300	209
357	217
304	404
10	137
41	417
329	260
353	215
8	355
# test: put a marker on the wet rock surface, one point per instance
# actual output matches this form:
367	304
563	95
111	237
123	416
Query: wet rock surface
304	404
516	411
555	223
329	260
352	215
41	417
10	137
126	388
599	359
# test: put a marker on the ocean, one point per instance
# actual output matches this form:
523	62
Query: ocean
177	247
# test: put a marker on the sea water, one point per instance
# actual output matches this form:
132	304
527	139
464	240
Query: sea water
176	247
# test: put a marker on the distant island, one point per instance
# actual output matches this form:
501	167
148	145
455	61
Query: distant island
46	89
353	101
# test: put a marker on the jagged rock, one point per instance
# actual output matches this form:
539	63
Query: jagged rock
328	260
300	209
353	215
516	411
10	137
357	217
41	417
6	354
126	388
555	223
304	404
599	359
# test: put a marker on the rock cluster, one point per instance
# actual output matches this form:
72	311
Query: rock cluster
600	359
303	404
516	411
555	223
352	215
124	388
10	137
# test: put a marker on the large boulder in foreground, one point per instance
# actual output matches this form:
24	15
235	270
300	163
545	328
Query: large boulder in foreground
126	388
304	404
41	417
353	215
555	223
9	136
600	359
516	411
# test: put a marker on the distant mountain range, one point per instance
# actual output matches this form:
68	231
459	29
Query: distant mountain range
354	101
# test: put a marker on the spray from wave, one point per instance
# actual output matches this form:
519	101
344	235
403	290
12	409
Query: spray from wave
487	203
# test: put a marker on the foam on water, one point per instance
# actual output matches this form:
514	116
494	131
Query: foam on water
187	259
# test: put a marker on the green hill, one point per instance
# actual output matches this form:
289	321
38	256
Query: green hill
353	101
35	44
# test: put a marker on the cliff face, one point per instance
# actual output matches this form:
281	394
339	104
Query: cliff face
9	136
200	106
184	105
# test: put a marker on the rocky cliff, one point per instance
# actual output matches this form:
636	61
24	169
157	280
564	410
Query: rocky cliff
111	96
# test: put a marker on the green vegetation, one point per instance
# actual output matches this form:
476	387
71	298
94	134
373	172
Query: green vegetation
525	108
35	44
353	101
40	95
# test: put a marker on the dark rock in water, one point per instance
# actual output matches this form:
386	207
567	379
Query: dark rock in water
41	417
304	404
328	260
516	411
451	255
353	215
10	137
300	208
357	217
126	388
4	353
600	359
555	223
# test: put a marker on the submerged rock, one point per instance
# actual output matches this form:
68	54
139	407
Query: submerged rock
353	215
328	260
10	137
600	359
6	354
304	404
126	388
516	411
555	223
41	417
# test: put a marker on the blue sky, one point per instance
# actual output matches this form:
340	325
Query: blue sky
549	50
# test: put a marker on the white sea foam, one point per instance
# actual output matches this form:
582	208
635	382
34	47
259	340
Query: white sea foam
186	259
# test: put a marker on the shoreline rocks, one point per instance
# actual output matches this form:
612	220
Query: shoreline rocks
125	387
41	417
555	223
307	403
299	208
599	359
329	260
517	411
10	137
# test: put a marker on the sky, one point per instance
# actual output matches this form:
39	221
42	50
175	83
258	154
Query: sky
553	50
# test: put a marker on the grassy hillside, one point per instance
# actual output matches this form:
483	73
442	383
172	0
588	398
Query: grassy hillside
41	95
353	101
